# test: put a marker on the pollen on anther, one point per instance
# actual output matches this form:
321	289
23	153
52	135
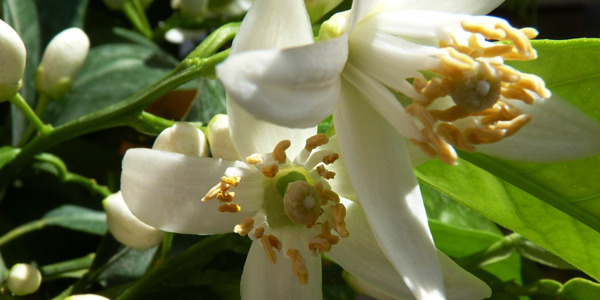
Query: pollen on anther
259	232
224	197
279	151
254	159
331	158
316	141
325	173
244	227
230	208
270	243
231	180
328	195
299	265
269	170
339	224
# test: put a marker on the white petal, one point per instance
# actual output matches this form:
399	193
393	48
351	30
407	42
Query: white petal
360	10
382	176
273	24
341	182
559	131
382	100
263	280
251	135
295	87
473	7
360	255
164	190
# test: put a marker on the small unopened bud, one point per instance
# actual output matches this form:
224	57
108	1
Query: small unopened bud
12	61
219	138
126	227
86	297
24	279
190	8
182	138
61	61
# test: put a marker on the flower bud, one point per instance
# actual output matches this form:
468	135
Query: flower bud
127	228
61	61
190	8
182	138
86	297
219	138
24	279
12	61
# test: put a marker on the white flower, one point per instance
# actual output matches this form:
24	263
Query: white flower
61	61
381	45
219	138
126	228
12	61
24	279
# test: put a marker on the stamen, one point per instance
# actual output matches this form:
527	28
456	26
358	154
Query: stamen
325	173
244	227
259	232
339	224
454	137
271	243
316	141
324	241
299	265
231	180
279	151
269	170
215	190
329	159
329	195
254	159
230	208
484	135
225	197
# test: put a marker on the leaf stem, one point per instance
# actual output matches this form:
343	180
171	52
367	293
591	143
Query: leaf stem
21	230
134	10
33	118
496	251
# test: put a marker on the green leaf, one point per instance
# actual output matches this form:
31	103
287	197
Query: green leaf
579	289
517	210
57	15
540	255
77	218
110	74
210	101
22	16
7	153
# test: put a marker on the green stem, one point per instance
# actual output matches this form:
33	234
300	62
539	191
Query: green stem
21	230
57	269
497	251
33	118
165	249
40	109
134	10
119	114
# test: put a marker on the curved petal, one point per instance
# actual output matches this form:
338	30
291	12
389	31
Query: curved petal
294	87
382	176
164	190
360	255
280	24
382	100
472	7
558	131
341	182
251	135
360	10
263	280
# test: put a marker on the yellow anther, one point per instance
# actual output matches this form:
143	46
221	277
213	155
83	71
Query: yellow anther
279	151
316	141
513	125
299	265
422	114
244	226
269	170
320	244
425	147
443	148
515	92
324	172
215	190
484	135
530	33
269	243
329	195
230	208
259	232
254	159
534	84
453	136
519	39
455	61
451	114
339	224
488	33
302	203
225	197
231	180
329	159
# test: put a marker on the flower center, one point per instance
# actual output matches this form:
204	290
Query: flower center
479	83
296	191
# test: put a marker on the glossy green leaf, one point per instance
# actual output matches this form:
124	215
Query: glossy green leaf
77	218
210	101
517	210
22	16
540	255
7	153
110	74
579	289
57	15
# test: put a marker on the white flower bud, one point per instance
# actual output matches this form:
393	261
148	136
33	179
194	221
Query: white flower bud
182	138
219	138
24	279
190	8
86	297
12	61
126	228
61	61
